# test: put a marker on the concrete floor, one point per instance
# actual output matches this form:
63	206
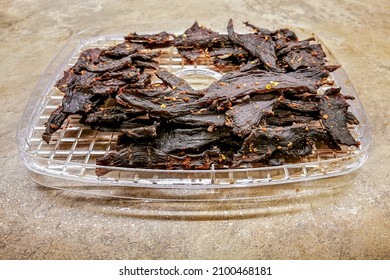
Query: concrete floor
352	222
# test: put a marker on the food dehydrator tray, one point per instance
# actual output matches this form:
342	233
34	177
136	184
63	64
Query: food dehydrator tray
69	159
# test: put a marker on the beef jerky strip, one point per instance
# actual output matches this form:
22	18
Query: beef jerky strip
296	140
195	40
310	107
144	156
136	131
251	65
174	82
145	60
283	37
179	100
107	117
293	46
200	37
206	118
310	56
55	121
335	117
156	107
109	65
130	75
106	64
258	45
150	41
123	49
87	57
145	80
70	80
235	85
283	117
188	139
233	54
258	29
246	116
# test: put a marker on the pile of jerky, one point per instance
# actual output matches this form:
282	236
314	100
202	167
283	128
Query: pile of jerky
260	114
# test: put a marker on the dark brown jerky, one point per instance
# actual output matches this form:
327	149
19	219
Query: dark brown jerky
282	37
191	55
75	102
290	46
174	82
197	41
235	85
123	49
283	117
160	40
87	57
201	37
144	80
229	55
258	29
243	118
55	121
335	116
144	156
130	75
178	100
251	65
310	107
145	60
159	107
108	117
188	139
260	46
138	131
109	65
206	118
294	141
310	56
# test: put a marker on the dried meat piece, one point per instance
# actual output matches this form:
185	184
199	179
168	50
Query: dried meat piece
200	37
108	65
55	121
87	57
175	82
178	100
310	107
283	117
137	131
130	75
335	117
198	40
243	118
160	40
309	56
204	118
296	140
188	139
235	85
107	117
144	156
123	49
259	29
260	46
283	37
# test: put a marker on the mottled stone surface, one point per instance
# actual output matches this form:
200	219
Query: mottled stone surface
351	222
